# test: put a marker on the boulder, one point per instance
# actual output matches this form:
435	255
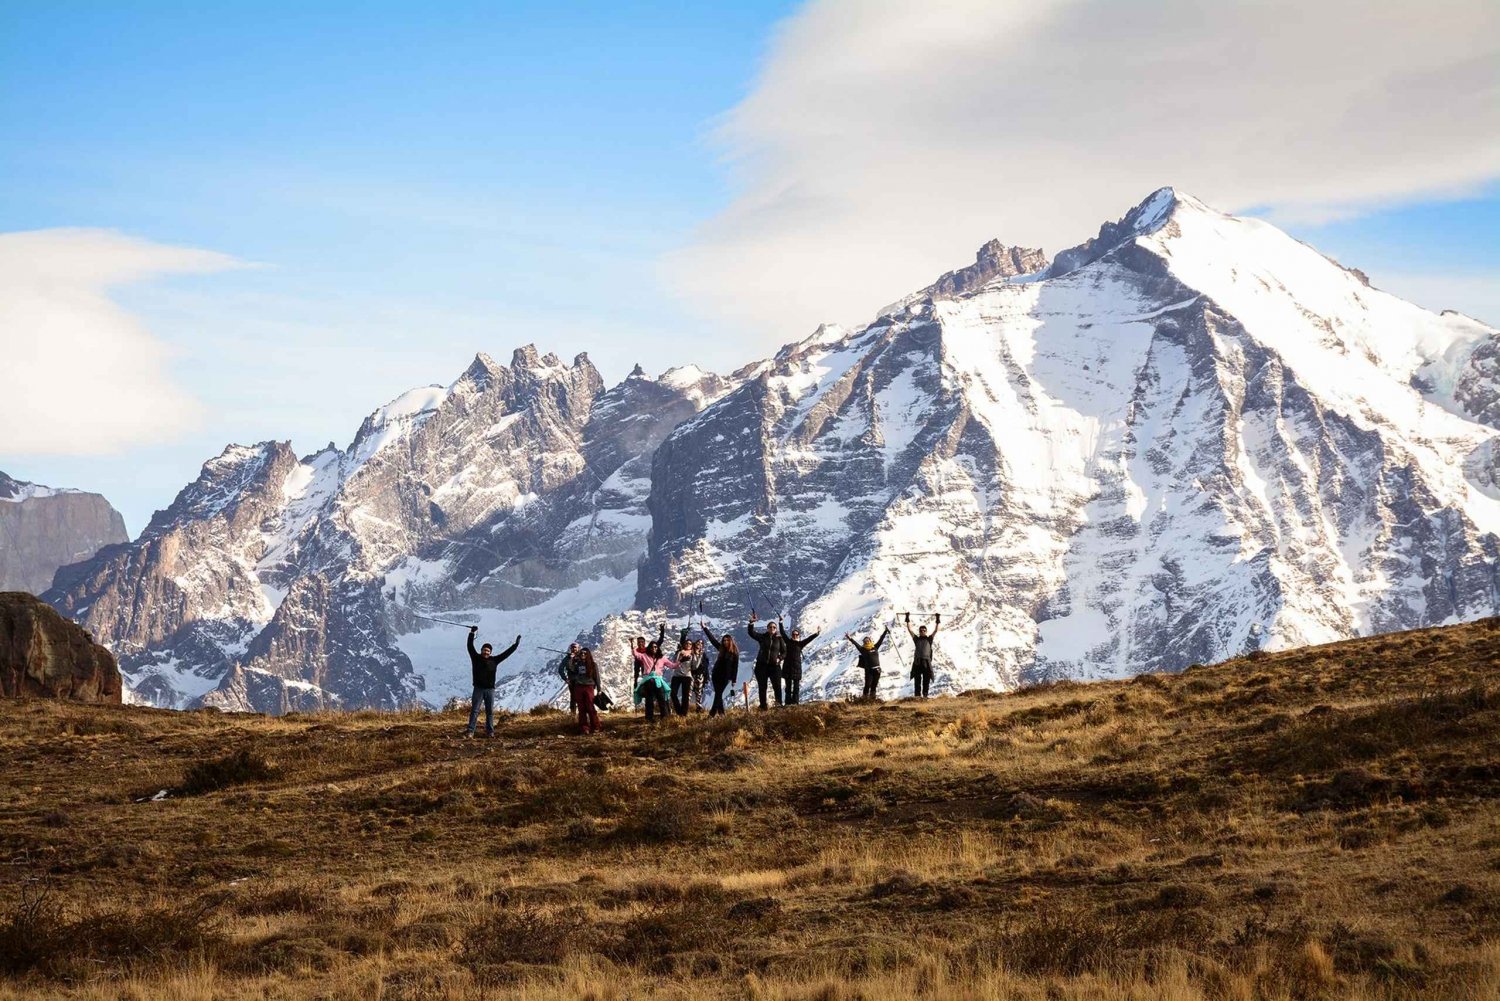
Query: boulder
43	655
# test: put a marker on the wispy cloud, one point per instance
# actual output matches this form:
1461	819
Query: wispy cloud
885	139
81	375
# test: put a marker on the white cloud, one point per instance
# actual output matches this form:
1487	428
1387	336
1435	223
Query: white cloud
80	375
886	139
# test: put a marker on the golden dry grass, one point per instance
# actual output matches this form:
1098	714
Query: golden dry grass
1315	824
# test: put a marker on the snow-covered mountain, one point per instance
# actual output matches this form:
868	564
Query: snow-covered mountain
1187	437
277	583
44	528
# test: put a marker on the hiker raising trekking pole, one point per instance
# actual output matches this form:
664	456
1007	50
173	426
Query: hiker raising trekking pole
700	684
484	682
921	656
645	654
726	666
869	662
652	686
772	650
681	681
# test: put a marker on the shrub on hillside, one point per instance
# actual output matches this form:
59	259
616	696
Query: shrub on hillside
524	934
30	930
659	821
37	936
234	768
1078	942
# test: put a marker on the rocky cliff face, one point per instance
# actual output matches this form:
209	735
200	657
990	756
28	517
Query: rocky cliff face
1187	437
44	528
276	583
43	655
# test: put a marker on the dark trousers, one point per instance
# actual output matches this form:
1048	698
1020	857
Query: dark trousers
921	678
774	677
872	683
655	702
588	716
721	682
792	686
680	688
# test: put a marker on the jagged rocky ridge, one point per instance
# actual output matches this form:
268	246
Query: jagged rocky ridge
1187	437
44	528
276	583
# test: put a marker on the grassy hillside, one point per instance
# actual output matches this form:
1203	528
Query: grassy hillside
1320	823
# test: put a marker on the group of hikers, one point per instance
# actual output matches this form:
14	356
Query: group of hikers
676	683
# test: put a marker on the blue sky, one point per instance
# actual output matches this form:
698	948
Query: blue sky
412	183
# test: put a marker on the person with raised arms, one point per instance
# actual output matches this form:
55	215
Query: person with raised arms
726	666
682	675
869	662
791	666
652	687
483	666
921	655
768	658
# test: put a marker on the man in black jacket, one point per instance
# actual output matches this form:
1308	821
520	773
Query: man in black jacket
484	682
768	658
791	666
921	655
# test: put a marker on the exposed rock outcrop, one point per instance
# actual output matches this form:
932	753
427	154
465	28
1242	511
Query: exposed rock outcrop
44	528
994	260
43	655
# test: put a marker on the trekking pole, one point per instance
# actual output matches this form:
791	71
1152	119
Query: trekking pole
446	622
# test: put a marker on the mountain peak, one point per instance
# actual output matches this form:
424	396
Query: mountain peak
993	260
526	356
1157	210
482	364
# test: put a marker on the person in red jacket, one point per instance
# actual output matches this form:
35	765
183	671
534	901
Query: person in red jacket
583	677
